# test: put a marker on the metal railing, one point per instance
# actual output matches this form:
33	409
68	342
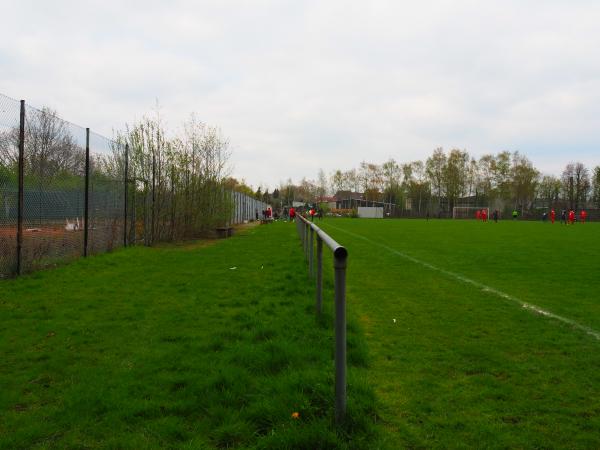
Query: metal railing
308	231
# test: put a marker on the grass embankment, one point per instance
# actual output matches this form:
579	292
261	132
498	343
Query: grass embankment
193	346
458	366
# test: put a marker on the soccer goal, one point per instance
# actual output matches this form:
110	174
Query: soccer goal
469	212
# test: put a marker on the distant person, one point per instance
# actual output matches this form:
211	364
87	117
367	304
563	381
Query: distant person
544	216
312	214
571	217
495	215
426	216
583	215
515	214
563	217
320	214
552	216
256	211
484	215
477	215
292	214
285	213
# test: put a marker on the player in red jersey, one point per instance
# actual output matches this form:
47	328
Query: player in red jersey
583	215
477	214
484	215
552	215
571	217
292	214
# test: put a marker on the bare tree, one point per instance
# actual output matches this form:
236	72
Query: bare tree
50	147
322	187
576	184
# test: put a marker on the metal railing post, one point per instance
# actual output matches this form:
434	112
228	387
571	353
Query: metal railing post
20	198
339	264
311	250
304	238
319	275
87	193
306	227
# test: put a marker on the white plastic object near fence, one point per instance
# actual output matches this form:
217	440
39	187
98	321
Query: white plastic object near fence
370	212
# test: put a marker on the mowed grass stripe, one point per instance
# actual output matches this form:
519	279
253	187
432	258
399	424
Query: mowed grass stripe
189	346
551	266
527	306
458	368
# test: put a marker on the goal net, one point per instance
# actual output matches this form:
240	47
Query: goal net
470	212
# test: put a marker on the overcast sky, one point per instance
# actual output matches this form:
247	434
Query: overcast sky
302	85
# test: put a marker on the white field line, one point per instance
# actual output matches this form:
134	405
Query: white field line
529	306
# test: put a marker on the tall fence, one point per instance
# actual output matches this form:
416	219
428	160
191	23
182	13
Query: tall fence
58	201
67	192
245	208
309	233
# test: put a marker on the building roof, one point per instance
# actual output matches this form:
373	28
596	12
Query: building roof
326	199
347	195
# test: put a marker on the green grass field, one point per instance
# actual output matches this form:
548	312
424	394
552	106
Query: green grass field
192	346
215	345
456	360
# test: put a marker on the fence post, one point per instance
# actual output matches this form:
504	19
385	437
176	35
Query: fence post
126	194
20	199
86	202
340	256
319	275
153	211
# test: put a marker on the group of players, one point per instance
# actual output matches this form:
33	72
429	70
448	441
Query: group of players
482	214
568	218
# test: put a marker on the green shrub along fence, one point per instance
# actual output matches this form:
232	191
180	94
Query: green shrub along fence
67	192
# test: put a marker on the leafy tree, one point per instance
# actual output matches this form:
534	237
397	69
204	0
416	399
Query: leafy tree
502	175
548	189
337	180
486	178
435	168
596	186
454	176
524	179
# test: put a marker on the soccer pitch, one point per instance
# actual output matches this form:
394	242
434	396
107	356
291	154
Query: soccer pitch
480	334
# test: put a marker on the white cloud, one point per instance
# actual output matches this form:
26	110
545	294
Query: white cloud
302	85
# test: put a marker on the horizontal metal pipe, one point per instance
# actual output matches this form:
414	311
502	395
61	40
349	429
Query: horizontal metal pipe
339	251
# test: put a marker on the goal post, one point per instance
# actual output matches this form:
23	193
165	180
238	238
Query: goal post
469	212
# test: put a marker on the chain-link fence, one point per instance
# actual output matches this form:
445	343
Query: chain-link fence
53	164
67	192
9	189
